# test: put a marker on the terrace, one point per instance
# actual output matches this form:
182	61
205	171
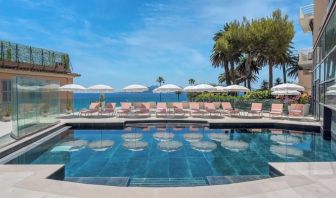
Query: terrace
23	57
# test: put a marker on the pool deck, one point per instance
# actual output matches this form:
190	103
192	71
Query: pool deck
300	180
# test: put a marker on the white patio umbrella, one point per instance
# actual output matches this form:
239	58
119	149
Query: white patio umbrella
332	88
331	93
236	88
288	86
286	93
204	88
52	86
101	88
221	89
189	89
135	88
72	87
28	88
168	88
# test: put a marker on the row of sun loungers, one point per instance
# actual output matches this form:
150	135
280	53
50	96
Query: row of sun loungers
194	110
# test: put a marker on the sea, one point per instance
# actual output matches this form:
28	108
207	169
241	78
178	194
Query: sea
83	100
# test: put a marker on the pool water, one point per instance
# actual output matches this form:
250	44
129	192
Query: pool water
142	153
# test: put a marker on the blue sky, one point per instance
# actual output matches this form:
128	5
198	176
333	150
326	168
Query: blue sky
120	42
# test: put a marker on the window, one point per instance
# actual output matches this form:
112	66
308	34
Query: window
322	72
330	65
330	33
6	91
317	73
330	94
322	93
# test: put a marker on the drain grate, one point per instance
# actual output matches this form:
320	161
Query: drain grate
167	182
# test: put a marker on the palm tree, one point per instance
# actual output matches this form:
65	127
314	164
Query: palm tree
219	58
247	72
277	81
279	32
226	51
264	85
161	81
293	70
191	81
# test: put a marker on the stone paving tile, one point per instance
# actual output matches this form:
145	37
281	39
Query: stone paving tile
14	192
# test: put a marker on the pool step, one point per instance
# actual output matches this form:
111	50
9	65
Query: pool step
167	182
220	180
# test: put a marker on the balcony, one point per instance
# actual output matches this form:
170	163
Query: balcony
23	57
306	17
306	59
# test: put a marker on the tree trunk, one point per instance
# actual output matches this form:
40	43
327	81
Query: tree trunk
227	73
249	83
284	73
248	70
270	73
233	76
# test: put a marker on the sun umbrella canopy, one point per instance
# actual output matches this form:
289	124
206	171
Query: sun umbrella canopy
189	88
331	93
28	88
220	89
204	88
101	145
236	88
72	87
135	88
332	88
286	93
288	86
101	88
168	88
50	87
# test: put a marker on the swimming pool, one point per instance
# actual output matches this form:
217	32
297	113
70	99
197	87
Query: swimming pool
175	155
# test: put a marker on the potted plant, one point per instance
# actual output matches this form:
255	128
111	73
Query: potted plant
45	110
69	108
304	99
7	115
101	101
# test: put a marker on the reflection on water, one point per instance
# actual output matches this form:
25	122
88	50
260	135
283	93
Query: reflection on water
204	146
286	151
176	152
285	139
235	145
101	145
135	145
193	137
163	136
132	136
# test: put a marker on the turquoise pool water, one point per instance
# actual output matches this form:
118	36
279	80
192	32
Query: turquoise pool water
176	152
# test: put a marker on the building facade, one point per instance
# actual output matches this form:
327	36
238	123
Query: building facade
324	65
31	62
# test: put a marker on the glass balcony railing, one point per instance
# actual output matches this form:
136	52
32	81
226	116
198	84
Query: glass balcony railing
13	55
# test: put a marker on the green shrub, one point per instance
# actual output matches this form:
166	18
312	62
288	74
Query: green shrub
259	94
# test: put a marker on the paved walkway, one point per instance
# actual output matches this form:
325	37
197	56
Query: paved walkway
301	180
